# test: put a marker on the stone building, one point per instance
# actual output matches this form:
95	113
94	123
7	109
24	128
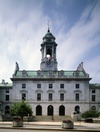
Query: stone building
94	96
5	94
50	91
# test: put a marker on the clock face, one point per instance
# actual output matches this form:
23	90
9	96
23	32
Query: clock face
49	64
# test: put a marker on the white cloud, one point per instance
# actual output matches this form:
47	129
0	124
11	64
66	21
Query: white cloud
79	41
93	68
21	33
20	38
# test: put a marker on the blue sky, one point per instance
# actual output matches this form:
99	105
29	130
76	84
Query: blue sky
74	23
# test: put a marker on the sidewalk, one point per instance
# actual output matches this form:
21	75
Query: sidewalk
78	126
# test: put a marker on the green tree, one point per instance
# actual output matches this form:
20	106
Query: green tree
21	109
90	113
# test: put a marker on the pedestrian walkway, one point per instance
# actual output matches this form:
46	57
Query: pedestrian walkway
78	126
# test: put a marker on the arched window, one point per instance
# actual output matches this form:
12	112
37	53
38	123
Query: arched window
49	52
7	109
93	108
62	110
24	94
39	110
77	95
50	110
77	109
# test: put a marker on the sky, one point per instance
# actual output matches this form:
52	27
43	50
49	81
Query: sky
74	23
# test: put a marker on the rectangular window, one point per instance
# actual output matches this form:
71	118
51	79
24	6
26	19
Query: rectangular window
7	98
77	97
77	85
23	85
38	85
39	97
93	97
23	96
50	85
93	91
7	91
62	97
61	85
50	96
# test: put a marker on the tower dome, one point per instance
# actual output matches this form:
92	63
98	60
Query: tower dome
48	37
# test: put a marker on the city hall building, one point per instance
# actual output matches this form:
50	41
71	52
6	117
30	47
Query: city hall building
50	91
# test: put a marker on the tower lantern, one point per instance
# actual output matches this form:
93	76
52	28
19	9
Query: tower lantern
48	50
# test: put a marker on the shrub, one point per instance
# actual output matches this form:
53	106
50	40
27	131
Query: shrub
21	109
90	113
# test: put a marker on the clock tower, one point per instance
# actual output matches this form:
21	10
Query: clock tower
48	50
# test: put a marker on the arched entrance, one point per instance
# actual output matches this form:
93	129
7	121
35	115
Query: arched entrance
62	110
93	108
7	110
50	110
39	110
77	109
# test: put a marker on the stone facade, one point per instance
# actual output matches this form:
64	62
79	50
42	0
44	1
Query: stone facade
48	90
94	95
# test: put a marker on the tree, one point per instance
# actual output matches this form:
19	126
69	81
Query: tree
21	109
90	113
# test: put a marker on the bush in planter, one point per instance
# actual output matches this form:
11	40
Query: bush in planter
17	122
17	119
67	121
68	124
21	109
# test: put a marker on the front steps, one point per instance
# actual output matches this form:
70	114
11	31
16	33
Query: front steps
50	118
41	118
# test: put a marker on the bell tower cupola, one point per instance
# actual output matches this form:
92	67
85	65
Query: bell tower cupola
48	50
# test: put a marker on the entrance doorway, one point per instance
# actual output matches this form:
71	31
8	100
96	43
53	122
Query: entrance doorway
50	110
7	110
77	109
62	110
39	110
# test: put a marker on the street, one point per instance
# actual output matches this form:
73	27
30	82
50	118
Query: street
17	130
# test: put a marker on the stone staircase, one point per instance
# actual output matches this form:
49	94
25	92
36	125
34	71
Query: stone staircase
41	118
50	118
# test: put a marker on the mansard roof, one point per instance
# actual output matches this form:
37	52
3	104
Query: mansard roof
94	85
69	75
5	85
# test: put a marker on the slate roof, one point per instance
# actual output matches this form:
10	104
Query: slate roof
94	85
5	85
51	74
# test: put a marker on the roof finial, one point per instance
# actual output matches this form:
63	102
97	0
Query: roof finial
48	26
